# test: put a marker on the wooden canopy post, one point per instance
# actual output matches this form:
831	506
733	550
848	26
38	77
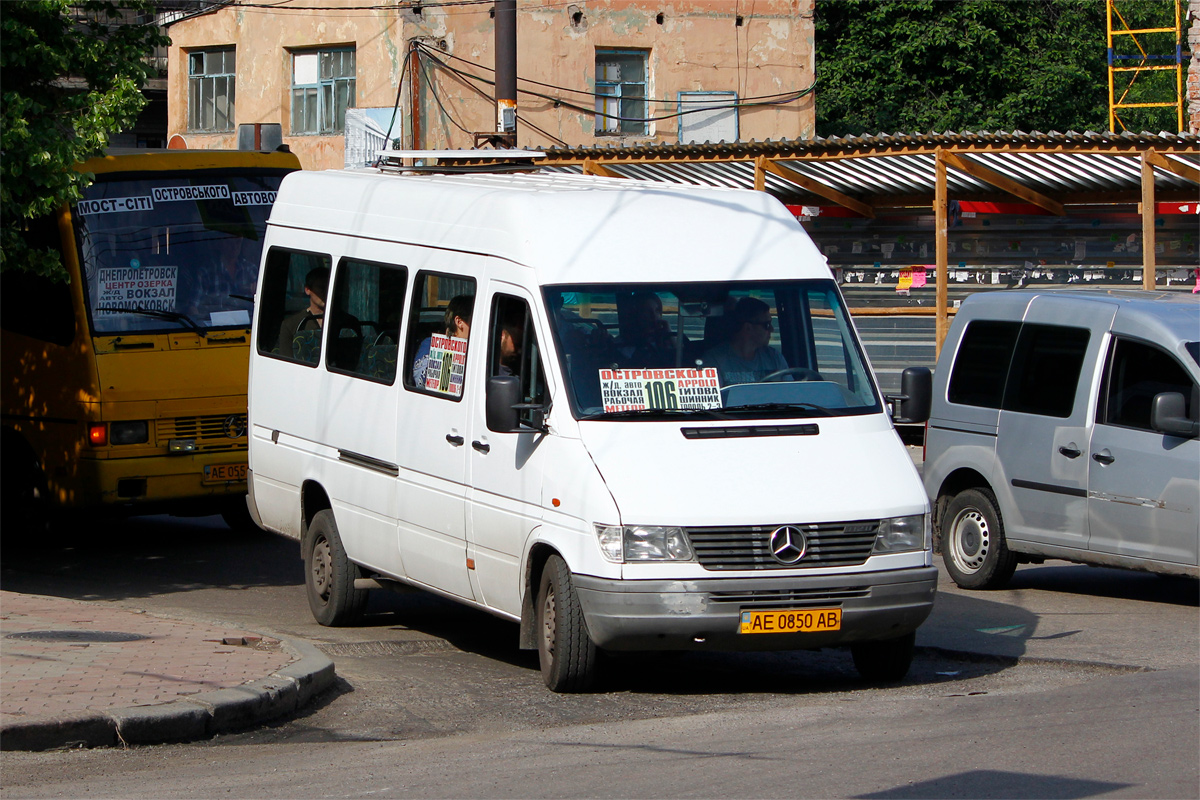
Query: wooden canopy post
941	252
760	174
1148	264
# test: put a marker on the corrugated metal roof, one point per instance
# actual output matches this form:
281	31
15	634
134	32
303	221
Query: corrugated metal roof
900	169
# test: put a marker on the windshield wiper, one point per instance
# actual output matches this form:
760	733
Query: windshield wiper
174	316
780	407
658	412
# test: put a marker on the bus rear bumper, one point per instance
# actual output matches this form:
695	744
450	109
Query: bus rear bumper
166	482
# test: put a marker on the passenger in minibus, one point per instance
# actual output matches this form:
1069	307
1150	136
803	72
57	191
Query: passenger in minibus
316	286
748	356
457	324
512	335
646	340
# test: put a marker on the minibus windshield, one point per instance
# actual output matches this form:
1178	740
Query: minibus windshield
729	350
171	252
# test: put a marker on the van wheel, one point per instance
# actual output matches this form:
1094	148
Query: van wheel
565	651
973	546
886	661
329	575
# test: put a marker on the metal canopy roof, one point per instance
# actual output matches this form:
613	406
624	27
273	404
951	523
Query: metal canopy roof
899	170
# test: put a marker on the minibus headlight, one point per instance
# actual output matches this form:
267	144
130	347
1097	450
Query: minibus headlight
643	543
902	534
136	432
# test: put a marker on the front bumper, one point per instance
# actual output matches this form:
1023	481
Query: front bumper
705	614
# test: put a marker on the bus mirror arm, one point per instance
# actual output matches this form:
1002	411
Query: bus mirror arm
911	406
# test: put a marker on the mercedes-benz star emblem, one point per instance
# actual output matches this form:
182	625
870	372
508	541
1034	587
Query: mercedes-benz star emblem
235	426
788	544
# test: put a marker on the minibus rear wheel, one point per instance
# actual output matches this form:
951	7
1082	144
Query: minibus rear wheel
329	575
884	661
565	651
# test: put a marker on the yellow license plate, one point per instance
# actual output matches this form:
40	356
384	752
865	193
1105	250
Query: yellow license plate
224	473
803	620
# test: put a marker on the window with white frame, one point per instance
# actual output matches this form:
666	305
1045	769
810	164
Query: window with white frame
323	87
211	78
621	93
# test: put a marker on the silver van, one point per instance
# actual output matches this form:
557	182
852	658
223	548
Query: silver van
1065	425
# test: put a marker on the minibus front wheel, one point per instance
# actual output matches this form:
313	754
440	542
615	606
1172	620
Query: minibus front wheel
565	651
329	575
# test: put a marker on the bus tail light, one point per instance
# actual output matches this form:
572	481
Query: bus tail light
98	434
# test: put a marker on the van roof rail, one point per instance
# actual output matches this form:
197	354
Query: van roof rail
457	161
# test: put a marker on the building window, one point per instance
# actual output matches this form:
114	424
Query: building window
621	93
708	117
211	89
323	87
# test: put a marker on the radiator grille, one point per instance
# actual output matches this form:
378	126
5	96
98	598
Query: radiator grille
210	433
837	544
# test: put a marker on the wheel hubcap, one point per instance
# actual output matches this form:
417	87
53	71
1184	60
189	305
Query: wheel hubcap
322	568
970	540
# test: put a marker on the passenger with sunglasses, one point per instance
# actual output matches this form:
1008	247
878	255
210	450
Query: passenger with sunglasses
748	356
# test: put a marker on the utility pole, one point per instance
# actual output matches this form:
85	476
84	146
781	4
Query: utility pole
414	88
506	73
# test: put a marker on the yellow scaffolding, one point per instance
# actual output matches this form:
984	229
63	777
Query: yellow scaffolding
1128	76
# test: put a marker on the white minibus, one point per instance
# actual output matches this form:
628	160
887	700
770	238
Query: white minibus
628	416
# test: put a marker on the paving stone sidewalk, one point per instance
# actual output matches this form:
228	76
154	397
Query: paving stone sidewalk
90	674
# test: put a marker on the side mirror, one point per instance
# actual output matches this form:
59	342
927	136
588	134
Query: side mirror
503	395
911	406
1168	414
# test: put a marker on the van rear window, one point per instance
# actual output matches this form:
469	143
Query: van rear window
981	365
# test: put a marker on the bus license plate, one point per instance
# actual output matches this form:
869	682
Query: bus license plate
225	473
803	620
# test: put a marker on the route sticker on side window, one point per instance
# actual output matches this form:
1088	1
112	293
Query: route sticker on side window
447	365
641	389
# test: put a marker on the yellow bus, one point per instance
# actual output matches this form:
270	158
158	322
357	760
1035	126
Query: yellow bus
124	389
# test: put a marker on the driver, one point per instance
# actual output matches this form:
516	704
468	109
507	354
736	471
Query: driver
748	356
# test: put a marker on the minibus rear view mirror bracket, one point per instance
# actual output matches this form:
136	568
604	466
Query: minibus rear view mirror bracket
503	407
911	406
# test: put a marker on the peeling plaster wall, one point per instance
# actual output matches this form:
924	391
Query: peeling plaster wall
698	46
264	41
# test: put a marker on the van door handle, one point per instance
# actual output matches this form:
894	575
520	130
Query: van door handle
481	447
457	441
1103	458
1070	451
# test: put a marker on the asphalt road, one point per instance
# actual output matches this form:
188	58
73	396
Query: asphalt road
1076	682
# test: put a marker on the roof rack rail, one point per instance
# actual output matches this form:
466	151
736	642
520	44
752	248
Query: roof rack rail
457	161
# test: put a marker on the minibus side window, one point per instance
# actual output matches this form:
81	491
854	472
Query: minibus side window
292	306
363	316
439	324
513	350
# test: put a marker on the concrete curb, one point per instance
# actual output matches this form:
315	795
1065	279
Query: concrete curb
202	716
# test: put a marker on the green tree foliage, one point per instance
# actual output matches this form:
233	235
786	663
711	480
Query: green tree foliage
71	74
888	66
